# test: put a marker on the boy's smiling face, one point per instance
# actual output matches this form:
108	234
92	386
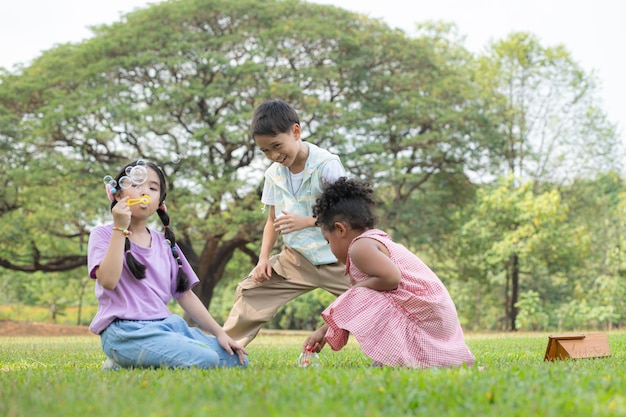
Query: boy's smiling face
283	148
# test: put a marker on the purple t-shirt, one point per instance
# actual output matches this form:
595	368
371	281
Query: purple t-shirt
135	299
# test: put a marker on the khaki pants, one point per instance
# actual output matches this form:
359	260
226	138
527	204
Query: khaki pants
292	275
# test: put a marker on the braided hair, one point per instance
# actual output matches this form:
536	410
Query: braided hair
348	200
137	268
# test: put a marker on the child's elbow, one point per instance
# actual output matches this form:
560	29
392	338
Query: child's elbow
108	285
393	283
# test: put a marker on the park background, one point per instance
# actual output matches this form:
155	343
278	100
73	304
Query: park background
501	168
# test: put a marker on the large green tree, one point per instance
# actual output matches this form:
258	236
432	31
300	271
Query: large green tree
552	129
422	126
176	83
598	286
514	232
552	125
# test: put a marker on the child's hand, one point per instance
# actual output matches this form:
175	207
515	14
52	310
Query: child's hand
316	341
121	214
288	222
232	347
262	271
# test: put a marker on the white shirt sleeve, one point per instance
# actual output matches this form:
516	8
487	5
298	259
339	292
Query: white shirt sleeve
332	171
267	197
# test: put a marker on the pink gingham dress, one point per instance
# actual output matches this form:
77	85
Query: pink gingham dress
415	325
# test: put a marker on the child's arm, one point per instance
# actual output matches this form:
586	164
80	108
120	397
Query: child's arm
373	259
192	305
263	270
110	270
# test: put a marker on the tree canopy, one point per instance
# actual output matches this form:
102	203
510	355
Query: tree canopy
176	84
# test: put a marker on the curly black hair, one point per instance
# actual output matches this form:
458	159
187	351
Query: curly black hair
348	200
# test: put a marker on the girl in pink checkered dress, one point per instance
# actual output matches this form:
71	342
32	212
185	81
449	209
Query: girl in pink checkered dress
397	308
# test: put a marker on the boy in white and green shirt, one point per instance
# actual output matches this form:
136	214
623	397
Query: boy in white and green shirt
292	184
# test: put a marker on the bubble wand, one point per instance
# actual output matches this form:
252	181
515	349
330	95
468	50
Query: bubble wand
143	200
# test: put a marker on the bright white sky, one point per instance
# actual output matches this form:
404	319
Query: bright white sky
592	31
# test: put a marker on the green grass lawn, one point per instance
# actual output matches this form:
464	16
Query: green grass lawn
60	376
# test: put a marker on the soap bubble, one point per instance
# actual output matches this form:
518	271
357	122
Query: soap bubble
176	158
139	174
125	183
107	179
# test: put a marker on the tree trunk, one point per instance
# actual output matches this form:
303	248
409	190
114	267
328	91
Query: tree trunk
514	290
507	297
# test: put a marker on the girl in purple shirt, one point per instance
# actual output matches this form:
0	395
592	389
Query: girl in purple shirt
137	272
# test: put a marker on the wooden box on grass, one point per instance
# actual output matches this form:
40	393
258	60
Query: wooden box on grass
576	346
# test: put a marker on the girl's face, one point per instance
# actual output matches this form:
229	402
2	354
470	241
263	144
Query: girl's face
338	240
150	188
282	148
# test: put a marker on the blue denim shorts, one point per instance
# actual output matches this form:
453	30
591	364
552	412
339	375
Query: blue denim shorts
168	343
